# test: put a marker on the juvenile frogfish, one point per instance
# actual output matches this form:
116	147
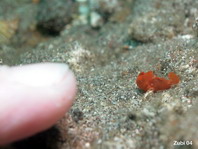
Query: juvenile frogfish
149	81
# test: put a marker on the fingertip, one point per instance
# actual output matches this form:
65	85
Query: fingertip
28	107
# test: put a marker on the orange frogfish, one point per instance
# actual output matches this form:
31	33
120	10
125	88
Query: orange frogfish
149	81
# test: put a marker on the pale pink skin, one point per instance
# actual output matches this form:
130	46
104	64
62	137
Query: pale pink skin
32	98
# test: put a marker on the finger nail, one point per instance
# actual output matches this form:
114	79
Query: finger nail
44	74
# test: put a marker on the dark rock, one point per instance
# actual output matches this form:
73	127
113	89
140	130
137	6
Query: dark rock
53	16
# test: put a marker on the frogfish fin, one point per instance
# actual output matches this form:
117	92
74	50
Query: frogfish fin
174	79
